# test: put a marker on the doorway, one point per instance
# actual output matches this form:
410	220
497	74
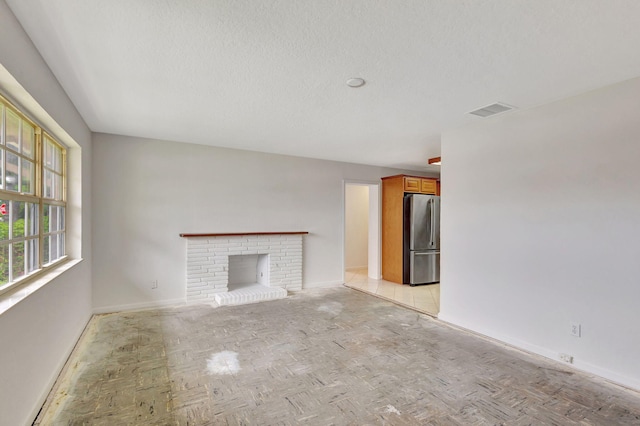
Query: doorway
362	252
362	229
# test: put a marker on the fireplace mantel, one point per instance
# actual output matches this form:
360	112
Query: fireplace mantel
240	234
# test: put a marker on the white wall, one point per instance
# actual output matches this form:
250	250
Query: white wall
147	192
375	230
356	226
39	332
541	227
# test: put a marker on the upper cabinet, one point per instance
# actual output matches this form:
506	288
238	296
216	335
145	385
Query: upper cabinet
420	185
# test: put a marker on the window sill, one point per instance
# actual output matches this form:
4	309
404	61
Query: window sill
13	297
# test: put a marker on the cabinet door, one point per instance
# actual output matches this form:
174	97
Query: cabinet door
428	186
411	184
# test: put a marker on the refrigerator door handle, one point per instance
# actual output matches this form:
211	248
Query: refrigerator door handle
428	253
412	234
428	221
432	214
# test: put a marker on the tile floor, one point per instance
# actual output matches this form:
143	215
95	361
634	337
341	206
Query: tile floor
422	298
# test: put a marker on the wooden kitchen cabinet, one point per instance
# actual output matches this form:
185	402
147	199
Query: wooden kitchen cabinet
418	185
393	190
428	186
412	184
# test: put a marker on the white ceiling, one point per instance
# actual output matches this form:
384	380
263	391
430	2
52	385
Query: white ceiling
269	75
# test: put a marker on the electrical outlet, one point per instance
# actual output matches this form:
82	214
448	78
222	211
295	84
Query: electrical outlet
154	284
566	358
576	329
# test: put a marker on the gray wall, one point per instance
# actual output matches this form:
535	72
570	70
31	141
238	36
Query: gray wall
39	332
540	228
147	192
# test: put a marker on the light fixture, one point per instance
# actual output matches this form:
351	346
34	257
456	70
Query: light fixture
435	161
355	82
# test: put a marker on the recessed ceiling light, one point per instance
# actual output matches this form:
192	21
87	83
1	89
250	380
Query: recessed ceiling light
355	82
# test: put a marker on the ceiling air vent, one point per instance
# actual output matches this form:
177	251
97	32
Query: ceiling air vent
492	109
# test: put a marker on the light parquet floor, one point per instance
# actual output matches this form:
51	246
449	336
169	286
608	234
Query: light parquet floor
323	357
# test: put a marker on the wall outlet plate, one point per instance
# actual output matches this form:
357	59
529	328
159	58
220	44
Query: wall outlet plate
566	358
576	329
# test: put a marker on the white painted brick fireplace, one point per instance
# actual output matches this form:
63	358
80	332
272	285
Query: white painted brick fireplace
277	259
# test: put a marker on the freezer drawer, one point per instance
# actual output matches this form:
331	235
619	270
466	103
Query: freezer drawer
424	267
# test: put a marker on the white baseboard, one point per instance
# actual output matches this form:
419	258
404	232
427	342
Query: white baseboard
56	373
608	375
325	284
139	306
548	353
355	268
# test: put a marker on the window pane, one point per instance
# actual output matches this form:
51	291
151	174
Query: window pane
62	218
46	250
58	213
17	218
53	253
11	177
31	219
26	177
48	153
4	264
52	156
46	215
53	186
32	255
17	263
1	168
4	219
28	139
57	159
61	245
57	187
48	184
52	212
13	130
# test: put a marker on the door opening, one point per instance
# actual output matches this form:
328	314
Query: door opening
362	228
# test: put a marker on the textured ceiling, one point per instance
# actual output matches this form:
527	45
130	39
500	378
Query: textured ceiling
270	75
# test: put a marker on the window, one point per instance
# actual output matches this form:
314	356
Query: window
32	197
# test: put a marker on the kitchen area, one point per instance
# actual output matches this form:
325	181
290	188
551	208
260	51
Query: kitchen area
410	243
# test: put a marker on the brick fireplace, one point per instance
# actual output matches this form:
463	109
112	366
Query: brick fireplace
243	268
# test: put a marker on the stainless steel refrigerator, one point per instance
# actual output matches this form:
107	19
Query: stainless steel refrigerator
421	251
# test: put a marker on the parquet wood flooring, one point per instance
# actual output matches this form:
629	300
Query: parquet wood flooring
325	357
